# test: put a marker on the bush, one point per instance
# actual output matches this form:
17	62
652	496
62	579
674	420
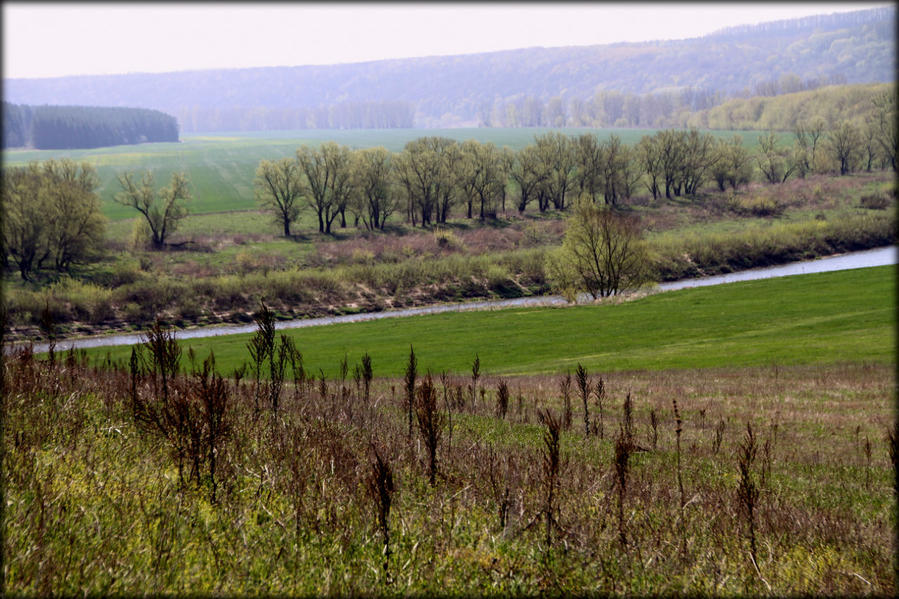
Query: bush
762	206
875	201
88	302
448	240
122	272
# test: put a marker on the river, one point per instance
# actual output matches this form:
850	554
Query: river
876	257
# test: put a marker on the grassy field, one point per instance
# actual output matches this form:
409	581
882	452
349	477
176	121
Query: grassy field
221	167
652	486
807	319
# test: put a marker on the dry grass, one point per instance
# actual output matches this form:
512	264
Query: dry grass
94	505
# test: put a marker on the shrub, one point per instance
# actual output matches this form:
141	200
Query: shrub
762	206
875	201
89	302
448	240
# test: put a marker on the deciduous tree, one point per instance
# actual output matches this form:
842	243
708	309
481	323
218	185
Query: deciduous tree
327	181
885	111
845	144
162	210
425	170
528	172
602	254
480	176
51	215
556	151
25	233
734	166
279	189
588	160
775	163
373	185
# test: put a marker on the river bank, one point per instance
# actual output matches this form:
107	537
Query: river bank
864	259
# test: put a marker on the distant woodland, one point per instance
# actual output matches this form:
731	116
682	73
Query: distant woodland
648	84
65	127
785	112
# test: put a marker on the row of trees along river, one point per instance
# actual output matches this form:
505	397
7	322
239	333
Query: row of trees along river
52	211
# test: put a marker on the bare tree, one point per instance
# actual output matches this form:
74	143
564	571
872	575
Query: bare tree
845	143
278	187
162	210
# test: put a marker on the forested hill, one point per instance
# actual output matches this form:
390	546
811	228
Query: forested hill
66	127
832	104
856	47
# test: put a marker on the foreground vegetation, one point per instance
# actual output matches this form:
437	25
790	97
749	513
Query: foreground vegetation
767	480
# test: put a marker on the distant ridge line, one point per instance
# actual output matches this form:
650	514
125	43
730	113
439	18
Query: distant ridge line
861	17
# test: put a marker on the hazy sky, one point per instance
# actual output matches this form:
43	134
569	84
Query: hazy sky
48	40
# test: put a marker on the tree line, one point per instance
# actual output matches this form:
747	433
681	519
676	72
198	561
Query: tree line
613	108
784	112
434	177
68	127
342	115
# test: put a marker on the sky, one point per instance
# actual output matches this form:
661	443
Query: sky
60	39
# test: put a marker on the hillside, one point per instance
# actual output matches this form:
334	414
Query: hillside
856	47
781	113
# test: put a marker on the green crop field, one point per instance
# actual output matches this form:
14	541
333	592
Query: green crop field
807	319
221	167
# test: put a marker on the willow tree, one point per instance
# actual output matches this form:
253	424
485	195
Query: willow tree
888	126
163	209
278	189
374	199
328	181
529	173
51	215
603	254
845	143
557	152
481	176
426	169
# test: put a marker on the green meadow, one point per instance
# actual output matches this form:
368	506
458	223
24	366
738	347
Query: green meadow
222	166
807	319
